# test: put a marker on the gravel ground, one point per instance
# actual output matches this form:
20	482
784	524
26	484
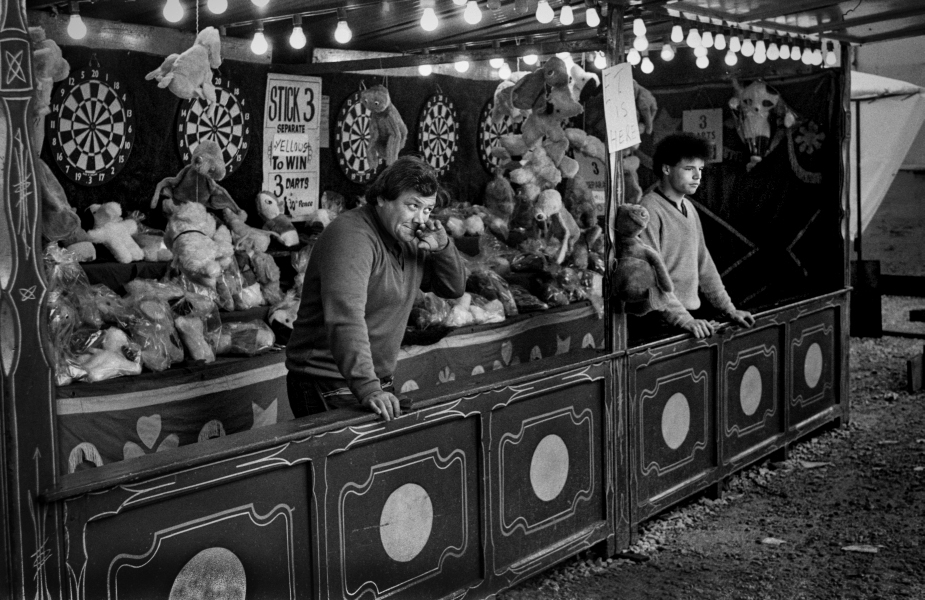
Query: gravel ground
842	517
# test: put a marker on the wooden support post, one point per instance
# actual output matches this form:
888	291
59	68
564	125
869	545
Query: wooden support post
915	372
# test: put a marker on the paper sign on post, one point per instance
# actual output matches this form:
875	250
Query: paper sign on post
291	136
706	124
620	107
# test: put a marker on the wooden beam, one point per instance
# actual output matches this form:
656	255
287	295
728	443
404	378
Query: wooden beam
888	15
908	32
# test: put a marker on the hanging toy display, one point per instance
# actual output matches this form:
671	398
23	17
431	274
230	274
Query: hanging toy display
761	118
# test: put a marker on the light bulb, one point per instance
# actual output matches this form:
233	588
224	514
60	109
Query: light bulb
531	59
785	51
260	3
472	14
677	34
830	58
259	43
703	62
639	27
731	58
297	38
700	51
217	6
459	2
544	12
647	66
496	63
566	15
76	27
425	70
343	34
807	58
667	53
592	18
761	47
748	47
641	43
706	40
817	57
735	44
719	42
773	51
759	57
504	71
429	19
693	37
462	66
600	61
795	53
173	11
633	57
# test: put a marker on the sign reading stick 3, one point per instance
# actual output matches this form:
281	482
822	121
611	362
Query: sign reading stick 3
291	139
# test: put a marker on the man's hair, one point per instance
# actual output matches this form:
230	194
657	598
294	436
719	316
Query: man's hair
406	173
677	147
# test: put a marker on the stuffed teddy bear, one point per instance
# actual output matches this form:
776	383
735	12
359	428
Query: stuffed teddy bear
579	200
387	132
114	232
246	237
646	107
48	67
189	75
272	209
551	216
196	182
537	173
499	196
640	278
189	236
586	143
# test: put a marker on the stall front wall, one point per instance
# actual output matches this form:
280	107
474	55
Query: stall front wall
466	498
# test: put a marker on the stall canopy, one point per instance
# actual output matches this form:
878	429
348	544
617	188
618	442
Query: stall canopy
891	113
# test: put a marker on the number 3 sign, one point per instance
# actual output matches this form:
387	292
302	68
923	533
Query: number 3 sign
707	124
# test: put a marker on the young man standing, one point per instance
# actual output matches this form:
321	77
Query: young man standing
675	232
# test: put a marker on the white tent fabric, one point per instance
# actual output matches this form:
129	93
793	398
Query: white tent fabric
891	113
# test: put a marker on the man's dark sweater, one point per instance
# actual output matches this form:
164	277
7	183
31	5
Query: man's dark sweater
358	292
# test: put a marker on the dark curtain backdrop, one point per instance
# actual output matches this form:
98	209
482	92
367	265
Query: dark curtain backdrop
155	153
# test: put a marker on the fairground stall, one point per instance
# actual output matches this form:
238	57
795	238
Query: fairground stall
167	168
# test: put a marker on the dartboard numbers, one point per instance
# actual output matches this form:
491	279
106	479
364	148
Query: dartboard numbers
227	121
438	132
490	134
91	128
351	139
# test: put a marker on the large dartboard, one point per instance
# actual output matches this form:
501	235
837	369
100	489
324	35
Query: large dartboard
227	121
438	132
351	140
490	134
91	128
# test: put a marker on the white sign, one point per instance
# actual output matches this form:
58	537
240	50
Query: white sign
594	173
620	107
291	165
706	124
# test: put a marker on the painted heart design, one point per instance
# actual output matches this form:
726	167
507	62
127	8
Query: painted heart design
149	429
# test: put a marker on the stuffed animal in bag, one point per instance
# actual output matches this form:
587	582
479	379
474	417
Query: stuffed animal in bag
552	218
273	212
189	236
189	75
640	278
387	132
196	182
114	232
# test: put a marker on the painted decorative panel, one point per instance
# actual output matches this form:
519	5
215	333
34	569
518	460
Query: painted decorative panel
546	470
813	344
402	517
751	399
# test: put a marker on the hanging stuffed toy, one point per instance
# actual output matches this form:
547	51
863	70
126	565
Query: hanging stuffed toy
189	75
196	182
762	117
387	132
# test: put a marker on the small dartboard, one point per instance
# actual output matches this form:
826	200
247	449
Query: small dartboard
91	128
438	132
490	134
351	139
227	121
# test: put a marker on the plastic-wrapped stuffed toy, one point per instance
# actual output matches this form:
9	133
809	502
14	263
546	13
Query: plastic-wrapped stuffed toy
196	182
551	216
387	131
640	277
114	232
273	212
189	75
189	236
192	332
119	356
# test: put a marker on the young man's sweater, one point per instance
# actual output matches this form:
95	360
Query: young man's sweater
678	238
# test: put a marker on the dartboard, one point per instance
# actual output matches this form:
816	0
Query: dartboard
490	135
438	128
352	140
227	121
91	127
